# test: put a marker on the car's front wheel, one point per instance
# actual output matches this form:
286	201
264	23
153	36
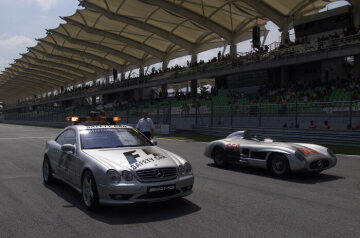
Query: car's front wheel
47	172
89	191
279	166
220	157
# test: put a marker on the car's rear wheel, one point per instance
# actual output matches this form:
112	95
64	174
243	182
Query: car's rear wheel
279	166
47	172
220	157
89	192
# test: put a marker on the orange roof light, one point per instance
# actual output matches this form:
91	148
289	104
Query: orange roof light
116	119
72	119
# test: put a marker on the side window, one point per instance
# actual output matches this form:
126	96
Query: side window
67	137
70	137
61	138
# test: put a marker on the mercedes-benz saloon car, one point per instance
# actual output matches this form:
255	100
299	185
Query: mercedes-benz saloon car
113	164
280	158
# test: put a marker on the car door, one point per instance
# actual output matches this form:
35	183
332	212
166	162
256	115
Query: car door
55	154
73	162
66	159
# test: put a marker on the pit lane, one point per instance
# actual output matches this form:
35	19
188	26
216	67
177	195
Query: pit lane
236	202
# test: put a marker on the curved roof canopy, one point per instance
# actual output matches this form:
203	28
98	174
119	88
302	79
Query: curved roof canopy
128	34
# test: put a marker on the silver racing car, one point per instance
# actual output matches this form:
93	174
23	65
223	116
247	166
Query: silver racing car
112	164
279	157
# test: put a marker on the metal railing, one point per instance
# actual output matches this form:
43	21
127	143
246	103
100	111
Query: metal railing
209	113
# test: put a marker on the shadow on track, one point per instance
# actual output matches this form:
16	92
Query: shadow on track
127	214
304	178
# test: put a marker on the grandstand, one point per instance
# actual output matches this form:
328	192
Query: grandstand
316	76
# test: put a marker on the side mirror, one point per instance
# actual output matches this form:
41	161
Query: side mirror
154	142
68	148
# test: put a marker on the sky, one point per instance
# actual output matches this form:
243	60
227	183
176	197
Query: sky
23	21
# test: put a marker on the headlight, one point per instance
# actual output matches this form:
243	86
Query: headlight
128	176
113	175
331	153
185	169
188	168
181	170
299	156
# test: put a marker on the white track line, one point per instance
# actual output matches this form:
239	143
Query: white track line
349	155
20	138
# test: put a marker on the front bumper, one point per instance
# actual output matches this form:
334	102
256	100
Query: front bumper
310	165
136	192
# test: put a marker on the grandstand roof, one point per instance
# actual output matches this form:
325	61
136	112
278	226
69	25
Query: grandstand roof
128	34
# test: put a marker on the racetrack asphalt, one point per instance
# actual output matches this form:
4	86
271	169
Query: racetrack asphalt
236	202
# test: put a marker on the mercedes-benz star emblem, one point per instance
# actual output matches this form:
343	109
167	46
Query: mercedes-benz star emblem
159	173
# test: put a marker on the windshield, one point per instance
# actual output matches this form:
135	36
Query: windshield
111	138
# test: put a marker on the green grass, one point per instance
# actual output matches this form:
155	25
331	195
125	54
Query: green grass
346	150
190	136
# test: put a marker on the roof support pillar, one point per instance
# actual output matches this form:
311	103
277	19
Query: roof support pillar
122	75
164	88
284	76
357	65
93	100
233	50
194	86
284	35
164	65
141	71
193	59
284	28
356	14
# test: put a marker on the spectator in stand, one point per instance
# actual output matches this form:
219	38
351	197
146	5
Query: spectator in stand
325	125
312	125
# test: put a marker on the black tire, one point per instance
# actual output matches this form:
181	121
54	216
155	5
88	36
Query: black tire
47	171
220	157
89	193
279	166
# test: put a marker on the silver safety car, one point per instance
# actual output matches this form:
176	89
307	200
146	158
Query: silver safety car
279	157
114	164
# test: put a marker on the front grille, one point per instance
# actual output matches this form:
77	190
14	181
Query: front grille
154	175
317	165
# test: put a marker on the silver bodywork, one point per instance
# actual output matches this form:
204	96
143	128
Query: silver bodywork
256	153
70	167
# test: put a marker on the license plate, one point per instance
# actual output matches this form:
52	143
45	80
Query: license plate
170	187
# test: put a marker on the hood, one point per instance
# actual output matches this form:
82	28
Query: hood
137	158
